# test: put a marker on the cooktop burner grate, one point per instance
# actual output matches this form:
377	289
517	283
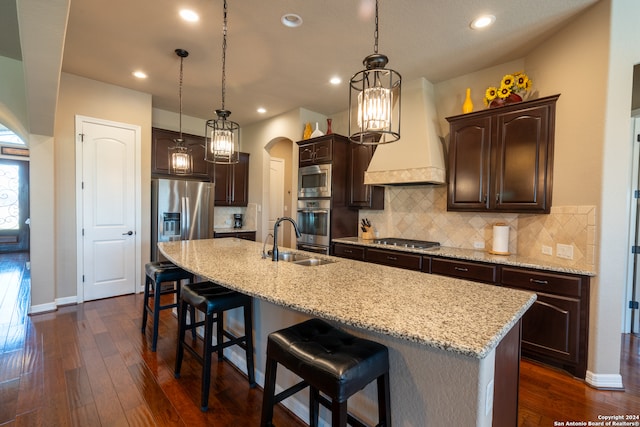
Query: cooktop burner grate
407	243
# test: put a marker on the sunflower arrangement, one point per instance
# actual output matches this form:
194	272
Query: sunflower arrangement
515	83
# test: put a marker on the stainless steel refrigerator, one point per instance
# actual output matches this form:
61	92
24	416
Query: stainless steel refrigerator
180	210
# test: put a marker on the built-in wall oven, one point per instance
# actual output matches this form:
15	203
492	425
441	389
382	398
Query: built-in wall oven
314	181
314	223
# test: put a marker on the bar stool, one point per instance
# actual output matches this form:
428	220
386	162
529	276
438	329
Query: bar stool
159	274
213	300
330	361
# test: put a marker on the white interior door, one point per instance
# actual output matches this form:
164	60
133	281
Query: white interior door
108	208
276	196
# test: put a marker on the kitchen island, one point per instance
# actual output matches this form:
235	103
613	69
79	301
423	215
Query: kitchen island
451	341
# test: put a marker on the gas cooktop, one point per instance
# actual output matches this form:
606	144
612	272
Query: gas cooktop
407	243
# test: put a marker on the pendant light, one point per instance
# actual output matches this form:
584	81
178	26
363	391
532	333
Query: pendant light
180	158
222	135
374	100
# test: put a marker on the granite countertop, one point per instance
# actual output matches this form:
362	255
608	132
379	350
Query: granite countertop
483	256
455	315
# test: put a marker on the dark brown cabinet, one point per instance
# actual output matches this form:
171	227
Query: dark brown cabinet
315	151
162	140
246	235
394	259
360	194
349	251
555	328
232	183
501	159
487	273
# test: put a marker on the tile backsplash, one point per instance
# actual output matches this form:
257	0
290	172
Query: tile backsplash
223	216
420	212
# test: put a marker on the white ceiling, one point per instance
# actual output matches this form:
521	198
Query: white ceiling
282	68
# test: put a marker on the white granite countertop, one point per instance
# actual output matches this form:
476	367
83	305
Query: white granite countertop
455	315
483	256
234	230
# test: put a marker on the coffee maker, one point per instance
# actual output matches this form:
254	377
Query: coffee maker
237	220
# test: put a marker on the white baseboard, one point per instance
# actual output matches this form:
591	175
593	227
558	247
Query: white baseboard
604	381
43	308
53	306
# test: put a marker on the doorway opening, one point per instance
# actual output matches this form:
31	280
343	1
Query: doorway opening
281	181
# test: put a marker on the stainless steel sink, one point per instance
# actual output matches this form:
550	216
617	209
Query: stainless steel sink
302	259
310	262
292	256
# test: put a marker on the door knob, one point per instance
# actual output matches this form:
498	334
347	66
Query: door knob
128	233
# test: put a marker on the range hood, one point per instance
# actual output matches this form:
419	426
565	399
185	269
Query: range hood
417	157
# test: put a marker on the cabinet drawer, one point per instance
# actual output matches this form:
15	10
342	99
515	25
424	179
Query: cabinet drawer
349	251
465	270
394	259
534	280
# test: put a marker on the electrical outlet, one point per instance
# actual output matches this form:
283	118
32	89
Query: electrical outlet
564	251
547	250
478	245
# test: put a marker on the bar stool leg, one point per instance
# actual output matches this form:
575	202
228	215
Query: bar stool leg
182	325
314	406
206	361
248	336
384	401
338	413
220	334
269	392
147	283
156	314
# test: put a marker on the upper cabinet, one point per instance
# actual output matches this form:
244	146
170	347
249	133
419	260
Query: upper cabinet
232	183
360	194
316	150
501	159
163	139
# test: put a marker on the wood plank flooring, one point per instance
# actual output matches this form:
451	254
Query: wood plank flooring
89	365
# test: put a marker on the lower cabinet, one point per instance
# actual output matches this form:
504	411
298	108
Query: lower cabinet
246	235
554	330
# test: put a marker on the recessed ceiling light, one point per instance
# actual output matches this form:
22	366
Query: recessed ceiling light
482	22
261	110
139	74
291	20
189	15
335	80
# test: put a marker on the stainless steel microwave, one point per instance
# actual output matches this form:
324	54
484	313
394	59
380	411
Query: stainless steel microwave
314	181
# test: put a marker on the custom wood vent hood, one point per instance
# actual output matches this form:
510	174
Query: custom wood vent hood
417	157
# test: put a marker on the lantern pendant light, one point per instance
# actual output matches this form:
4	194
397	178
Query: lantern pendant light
222	135
374	100
180	158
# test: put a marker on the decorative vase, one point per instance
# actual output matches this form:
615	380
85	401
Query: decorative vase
511	99
329	131
307	131
316	133
467	106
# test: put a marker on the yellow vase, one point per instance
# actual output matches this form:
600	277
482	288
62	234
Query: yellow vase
307	131
467	106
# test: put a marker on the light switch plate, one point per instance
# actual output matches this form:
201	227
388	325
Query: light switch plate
564	251
547	250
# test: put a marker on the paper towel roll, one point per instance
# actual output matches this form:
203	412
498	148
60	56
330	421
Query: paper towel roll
500	239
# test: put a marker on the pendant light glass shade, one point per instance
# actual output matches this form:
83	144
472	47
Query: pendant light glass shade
180	157
374	100
222	135
222	139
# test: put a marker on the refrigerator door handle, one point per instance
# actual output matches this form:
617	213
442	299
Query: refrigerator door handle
186	220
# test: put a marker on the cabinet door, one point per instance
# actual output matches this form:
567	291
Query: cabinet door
348	251
163	139
305	156
322	151
522	170
469	161
487	273
240	181
361	195
222	184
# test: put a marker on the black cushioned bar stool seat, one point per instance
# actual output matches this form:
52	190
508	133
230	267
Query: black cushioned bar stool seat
159	274
330	361
213	300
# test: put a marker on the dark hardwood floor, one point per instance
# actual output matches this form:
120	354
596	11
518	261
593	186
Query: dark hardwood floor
89	365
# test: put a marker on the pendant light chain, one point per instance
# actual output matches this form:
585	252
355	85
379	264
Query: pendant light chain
375	33
224	53
180	96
